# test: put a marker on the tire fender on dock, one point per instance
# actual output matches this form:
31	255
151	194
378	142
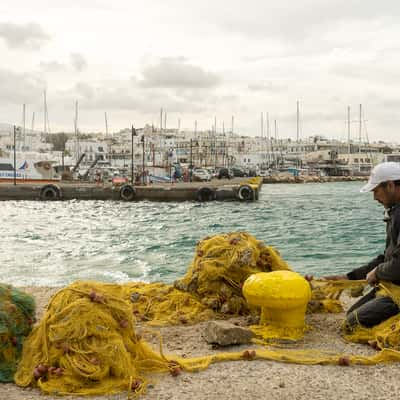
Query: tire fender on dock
50	192
127	192
245	193
205	194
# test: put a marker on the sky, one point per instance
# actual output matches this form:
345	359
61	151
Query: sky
201	60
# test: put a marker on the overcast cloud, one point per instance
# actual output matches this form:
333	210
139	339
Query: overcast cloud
177	73
78	61
200	60
26	36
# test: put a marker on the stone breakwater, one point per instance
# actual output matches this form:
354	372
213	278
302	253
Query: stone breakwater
311	179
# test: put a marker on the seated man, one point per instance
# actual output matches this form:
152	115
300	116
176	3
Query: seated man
371	310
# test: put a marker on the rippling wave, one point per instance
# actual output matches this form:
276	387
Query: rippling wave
318	228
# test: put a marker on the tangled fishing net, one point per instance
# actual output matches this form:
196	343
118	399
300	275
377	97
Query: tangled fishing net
221	265
16	318
161	304
88	342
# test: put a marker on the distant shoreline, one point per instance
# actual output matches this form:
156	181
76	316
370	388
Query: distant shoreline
311	179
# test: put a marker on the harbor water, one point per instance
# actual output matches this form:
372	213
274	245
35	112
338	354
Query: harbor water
318	229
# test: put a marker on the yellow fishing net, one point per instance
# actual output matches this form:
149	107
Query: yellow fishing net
161	304
87	341
221	265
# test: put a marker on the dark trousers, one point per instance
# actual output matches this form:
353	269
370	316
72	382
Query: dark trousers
371	310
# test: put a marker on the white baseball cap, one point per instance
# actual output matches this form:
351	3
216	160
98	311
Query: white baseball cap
384	172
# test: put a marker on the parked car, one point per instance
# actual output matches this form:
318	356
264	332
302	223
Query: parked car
252	172
212	172
201	175
238	172
264	173
224	173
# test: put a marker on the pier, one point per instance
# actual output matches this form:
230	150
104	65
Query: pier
238	189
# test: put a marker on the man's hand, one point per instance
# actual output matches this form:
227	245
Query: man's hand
335	277
371	277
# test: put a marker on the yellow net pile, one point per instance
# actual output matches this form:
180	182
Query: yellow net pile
221	265
160	304
86	344
87	341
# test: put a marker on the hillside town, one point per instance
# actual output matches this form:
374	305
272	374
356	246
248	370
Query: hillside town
166	154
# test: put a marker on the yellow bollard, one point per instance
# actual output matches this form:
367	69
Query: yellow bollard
283	298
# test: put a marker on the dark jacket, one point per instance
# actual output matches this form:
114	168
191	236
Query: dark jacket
388	264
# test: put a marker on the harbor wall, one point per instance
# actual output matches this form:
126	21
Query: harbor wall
234	190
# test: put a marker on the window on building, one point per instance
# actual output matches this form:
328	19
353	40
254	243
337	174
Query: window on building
6	167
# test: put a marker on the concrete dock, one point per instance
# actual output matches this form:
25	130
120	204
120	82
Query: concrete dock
238	189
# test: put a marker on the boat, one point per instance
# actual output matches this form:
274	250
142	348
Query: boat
30	167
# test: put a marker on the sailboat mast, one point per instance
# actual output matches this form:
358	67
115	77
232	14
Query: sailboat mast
359	140
348	138
44	113
298	122
32	129
215	142
106	121
262	125
276	143
76	131
268	139
24	125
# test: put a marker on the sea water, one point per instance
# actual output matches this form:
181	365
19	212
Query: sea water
319	229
